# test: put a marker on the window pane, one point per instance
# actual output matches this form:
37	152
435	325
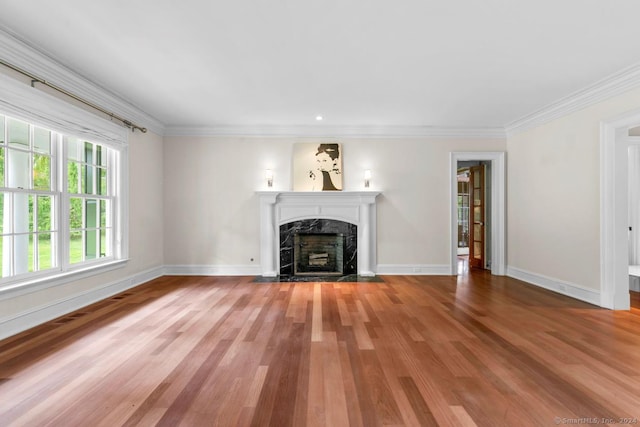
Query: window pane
477	250
75	247
73	177
74	149
102	182
477	214
45	205
23	253
22	213
101	155
83	178
18	169
87	182
91	213
1	167
31	253
42	140
41	172
91	241
32	208
18	133
45	253
2	197
1	129
88	152
75	213
103	243
103	213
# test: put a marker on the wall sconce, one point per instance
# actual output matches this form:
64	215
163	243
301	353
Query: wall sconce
367	178
269	176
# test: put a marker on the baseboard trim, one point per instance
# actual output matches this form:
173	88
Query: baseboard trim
559	286
212	270
35	316
413	270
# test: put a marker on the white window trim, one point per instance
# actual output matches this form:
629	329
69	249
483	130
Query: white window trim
20	101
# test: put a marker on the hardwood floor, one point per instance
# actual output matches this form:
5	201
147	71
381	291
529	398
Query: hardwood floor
415	351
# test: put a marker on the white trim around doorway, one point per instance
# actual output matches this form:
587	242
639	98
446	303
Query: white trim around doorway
614	213
498	207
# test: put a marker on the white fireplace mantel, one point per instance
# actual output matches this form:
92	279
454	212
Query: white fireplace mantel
282	207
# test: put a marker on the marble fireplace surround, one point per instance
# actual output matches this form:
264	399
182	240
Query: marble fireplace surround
282	207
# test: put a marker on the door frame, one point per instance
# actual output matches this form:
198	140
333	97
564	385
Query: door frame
614	209
498	207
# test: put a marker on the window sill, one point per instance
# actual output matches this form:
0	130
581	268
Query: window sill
16	289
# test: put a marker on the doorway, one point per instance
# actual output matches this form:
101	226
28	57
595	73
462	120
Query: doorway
492	224
615	141
474	218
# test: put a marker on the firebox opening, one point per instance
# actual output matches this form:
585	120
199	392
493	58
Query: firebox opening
316	254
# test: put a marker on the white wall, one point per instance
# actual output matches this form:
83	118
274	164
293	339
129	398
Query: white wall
145	247
212	212
553	202
146	239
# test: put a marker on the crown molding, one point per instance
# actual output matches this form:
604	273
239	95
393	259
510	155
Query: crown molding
612	85
36	61
339	131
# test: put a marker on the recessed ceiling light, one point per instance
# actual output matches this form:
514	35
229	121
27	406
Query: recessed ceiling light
319	118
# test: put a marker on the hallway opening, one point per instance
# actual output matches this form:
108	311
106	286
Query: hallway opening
478	211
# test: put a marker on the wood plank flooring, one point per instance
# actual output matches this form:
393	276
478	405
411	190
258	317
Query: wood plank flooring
476	350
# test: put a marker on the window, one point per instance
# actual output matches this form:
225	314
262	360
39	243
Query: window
57	202
89	201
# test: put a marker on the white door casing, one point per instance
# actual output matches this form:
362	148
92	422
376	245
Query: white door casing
498	207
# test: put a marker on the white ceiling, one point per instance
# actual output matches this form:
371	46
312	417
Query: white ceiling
446	63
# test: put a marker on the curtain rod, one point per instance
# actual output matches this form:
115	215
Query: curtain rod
36	79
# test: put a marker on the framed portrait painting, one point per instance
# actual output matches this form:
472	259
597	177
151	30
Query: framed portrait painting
317	167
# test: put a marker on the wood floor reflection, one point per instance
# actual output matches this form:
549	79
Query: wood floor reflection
410	351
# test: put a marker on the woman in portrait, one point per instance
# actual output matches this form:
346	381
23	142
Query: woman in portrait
328	164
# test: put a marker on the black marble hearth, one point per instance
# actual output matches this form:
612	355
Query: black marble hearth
318	226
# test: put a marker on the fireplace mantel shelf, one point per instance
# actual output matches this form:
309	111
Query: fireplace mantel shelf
281	207
323	195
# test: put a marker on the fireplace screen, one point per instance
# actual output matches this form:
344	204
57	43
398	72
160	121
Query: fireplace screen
318	254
